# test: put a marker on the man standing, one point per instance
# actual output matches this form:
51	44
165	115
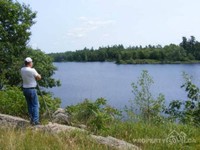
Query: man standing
29	77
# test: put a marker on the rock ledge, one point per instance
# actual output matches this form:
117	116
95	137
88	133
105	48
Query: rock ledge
16	122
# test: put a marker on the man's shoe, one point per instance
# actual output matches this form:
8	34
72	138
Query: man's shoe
35	123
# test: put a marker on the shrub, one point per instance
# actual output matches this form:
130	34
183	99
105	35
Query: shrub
145	107
96	115
52	103
186	111
12	102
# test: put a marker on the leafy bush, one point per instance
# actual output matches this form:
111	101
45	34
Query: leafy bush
52	103
186	111
12	102
145	107
96	115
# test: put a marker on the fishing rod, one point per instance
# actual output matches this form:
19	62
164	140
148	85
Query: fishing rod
47	108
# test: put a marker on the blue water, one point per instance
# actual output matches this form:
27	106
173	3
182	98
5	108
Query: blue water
113	82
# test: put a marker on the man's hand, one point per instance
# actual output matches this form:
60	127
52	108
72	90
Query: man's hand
38	77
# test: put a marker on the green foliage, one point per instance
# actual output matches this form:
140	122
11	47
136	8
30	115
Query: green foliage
186	52
174	53
52	103
192	47
96	115
15	23
12	139
152	137
12	102
44	65
186	111
145	136
144	104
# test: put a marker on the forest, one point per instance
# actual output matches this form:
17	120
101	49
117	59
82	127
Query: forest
188	51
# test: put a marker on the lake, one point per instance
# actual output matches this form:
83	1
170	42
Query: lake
111	81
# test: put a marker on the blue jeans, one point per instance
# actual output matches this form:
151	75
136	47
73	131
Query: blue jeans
33	104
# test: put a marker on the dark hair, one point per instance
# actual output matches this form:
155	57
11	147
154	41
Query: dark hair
26	63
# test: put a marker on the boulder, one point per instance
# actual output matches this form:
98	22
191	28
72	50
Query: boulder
115	143
82	126
60	116
11	121
59	110
109	141
57	128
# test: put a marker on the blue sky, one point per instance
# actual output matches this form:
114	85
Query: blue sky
65	25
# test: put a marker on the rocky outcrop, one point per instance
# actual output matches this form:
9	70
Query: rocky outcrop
82	126
61	116
10	121
7	120
57	128
109	141
114	143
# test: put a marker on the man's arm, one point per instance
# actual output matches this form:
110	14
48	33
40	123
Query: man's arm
38	77
36	74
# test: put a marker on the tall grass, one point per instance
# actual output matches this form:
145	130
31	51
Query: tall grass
138	134
12	139
153	136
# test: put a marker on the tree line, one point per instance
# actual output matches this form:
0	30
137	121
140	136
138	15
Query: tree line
187	51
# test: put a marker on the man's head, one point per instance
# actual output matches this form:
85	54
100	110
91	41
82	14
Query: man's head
28	62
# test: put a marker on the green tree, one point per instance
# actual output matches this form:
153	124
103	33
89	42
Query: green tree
15	23
184	43
189	49
44	65
149	108
174	53
197	50
190	45
155	55
119	58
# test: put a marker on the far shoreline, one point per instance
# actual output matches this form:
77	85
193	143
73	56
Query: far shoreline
137	62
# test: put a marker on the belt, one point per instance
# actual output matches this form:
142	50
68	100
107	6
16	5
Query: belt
30	88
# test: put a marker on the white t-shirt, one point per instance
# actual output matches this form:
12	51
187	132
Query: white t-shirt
28	77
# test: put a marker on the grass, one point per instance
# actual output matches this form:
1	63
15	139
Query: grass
12	139
139	134
153	137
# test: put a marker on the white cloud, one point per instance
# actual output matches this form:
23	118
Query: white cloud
87	26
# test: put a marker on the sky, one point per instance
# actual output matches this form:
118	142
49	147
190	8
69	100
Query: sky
69	25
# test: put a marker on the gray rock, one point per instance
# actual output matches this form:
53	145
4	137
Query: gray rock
115	143
57	128
11	121
59	110
109	141
61	119
82	126
61	116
